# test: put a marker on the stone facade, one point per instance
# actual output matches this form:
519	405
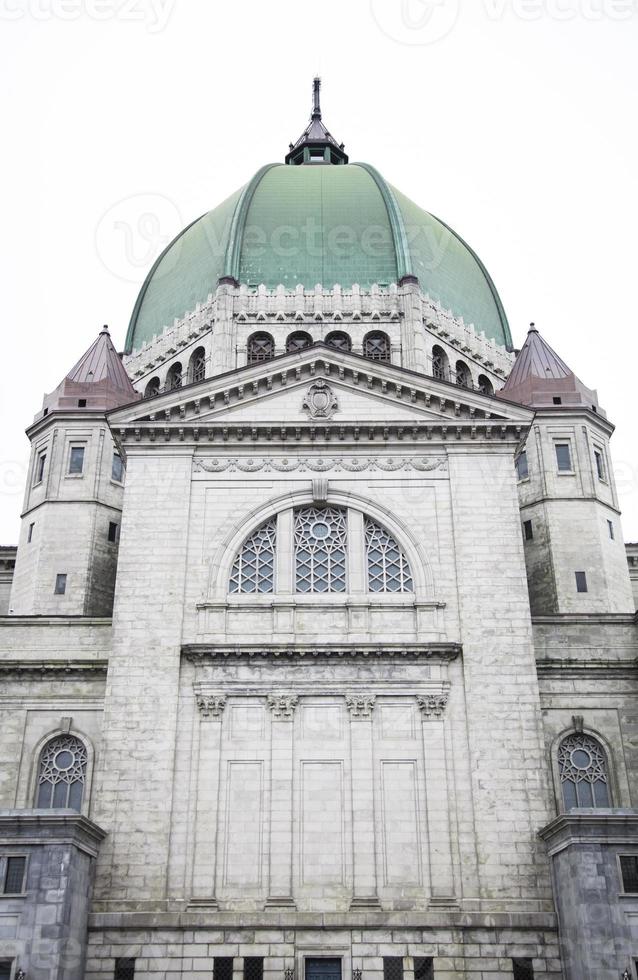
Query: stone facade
355	774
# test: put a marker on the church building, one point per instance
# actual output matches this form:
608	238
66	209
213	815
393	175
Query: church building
319	650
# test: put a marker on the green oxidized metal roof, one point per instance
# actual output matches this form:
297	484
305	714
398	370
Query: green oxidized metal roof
316	224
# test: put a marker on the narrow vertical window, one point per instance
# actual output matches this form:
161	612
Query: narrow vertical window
528	530
254	567
463	375
60	584
629	873
610	528
600	464
117	468
62	773
320	549
30	534
112	532
15	875
581	581
392	968
152	388
39	468
522	469
197	365
582	767
388	568
5	969
439	363
124	968
76	460
253	967
174	376
485	385
423	968
563	457
523	969
223	968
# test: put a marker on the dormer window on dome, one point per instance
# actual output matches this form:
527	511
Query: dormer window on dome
316	144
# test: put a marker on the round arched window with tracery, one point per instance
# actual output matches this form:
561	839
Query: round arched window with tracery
584	777
62	773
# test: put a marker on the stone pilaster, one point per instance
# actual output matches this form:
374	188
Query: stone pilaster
360	708
282	707
432	706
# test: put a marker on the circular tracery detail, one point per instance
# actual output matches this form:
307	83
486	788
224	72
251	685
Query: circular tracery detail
583	772
62	773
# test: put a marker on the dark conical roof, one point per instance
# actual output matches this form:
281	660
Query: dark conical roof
97	382
540	378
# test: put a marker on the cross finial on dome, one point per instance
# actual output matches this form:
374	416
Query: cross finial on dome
316	144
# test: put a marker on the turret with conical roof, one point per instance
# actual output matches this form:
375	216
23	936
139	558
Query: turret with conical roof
67	556
574	550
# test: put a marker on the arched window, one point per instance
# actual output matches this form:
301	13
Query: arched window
298	341
485	385
174	376
261	347
463	375
254	566
440	363
62	773
197	365
339	340
582	767
388	568
320	538
152	388
376	346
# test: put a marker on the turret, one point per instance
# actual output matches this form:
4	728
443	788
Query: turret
574	550
67	555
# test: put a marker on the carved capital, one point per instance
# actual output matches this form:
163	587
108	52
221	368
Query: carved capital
283	706
432	705
211	705
360	705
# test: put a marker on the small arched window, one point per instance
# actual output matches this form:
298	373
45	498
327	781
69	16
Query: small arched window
440	363
485	385
261	347
388	568
174	376
254	567
463	375
376	346
298	341
197	365
62	773
152	388
583	772
320	539
339	340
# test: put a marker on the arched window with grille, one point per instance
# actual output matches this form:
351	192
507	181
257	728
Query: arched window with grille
376	346
320	543
339	340
61	775
463	375
583	772
485	385
440	363
261	347
174	376
254	566
388	568
197	365
152	388
298	341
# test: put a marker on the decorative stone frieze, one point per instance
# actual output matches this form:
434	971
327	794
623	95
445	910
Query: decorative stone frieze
319	464
320	401
360	705
283	706
432	705
211	705
201	654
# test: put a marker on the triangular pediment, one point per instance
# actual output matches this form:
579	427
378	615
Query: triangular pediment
320	387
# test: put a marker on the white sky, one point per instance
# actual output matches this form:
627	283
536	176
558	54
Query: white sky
513	120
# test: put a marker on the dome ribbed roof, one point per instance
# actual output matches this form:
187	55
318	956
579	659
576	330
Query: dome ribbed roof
316	224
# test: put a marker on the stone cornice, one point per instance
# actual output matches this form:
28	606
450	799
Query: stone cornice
49	620
50	826
591	826
53	669
200	654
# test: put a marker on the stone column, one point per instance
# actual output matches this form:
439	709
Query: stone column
364	853
432	708
282	707
211	707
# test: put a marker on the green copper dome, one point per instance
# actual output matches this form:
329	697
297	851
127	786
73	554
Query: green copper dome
316	224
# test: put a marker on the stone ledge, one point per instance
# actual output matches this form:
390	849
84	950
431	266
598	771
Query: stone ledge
204	653
50	620
50	827
286	918
48	669
591	826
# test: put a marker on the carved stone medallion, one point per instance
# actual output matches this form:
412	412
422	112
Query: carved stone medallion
320	401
